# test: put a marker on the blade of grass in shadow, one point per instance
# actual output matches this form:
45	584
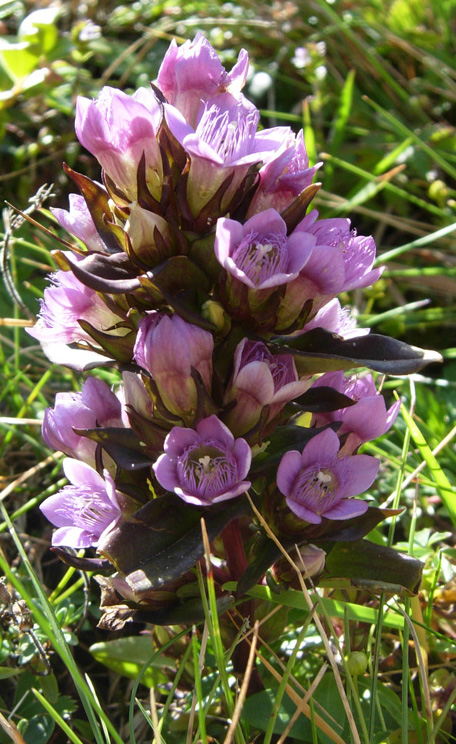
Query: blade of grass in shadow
137	682
198	665
388	186
418	243
402	129
211	614
57	718
341	118
284	682
47	621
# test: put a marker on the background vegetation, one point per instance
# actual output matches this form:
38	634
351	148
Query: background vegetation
373	84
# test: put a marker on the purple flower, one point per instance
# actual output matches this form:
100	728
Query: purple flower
192	74
259	253
85	510
225	143
205	466
367	419
78	221
340	320
118	129
96	405
284	177
317	483
260	379
341	260
168	348
65	302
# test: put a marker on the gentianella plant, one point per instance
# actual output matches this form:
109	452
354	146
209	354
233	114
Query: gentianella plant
198	270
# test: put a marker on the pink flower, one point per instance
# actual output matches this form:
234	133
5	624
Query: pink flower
96	405
223	145
367	419
78	221
341	260
318	483
284	176
260	379
85	510
205	466
168	348
259	253
118	129
192	74
65	302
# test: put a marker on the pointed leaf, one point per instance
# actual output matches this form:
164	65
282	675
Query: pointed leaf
266	553
376	566
112	274
97	202
320	350
296	212
323	399
118	347
123	445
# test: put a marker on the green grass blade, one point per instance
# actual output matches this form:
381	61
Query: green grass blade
57	718
444	487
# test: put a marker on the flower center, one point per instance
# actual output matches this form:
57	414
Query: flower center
260	259
230	133
206	470
93	511
316	488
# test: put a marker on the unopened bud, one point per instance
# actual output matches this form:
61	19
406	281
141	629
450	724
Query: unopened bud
215	313
356	663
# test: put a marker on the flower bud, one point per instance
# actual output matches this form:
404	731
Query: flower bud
357	663
215	313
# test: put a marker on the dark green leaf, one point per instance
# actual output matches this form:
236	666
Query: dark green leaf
119	348
163	540
375	566
322	399
122	444
320	350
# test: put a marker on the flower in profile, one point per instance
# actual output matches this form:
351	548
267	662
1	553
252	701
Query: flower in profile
367	419
206	465
223	147
340	320
341	261
78	221
169	348
85	510
259	253
284	176
96	405
118	130
192	74
319	483
65	302
260	379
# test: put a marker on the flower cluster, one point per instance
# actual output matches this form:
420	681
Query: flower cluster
198	273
